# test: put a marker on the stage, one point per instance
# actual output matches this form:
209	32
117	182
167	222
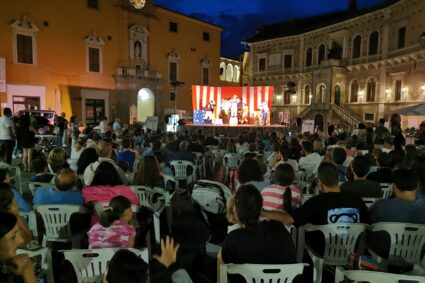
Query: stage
235	130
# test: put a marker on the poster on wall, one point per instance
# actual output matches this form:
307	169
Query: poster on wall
152	123
308	126
2	75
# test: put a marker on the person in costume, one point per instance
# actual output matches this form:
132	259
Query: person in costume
264	111
234	106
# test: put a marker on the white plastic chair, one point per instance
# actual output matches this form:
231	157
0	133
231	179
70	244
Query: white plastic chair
42	262
231	163
340	240
31	219
180	171
15	174
200	163
56	222
217	157
270	273
34	186
387	189
407	242
91	265
370	201
374	276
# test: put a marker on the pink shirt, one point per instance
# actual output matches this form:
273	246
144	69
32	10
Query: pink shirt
273	197
115	236
106	193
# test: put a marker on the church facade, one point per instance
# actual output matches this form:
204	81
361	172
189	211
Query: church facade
343	68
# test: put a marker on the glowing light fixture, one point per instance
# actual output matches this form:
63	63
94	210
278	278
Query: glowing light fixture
138	4
143	95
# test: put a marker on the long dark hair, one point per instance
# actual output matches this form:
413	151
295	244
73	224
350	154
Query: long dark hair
88	156
117	207
148	173
106	175
8	221
284	176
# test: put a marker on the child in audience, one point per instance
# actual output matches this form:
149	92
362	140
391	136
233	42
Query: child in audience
41	171
113	229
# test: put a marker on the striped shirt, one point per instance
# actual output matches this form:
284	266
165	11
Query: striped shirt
273	197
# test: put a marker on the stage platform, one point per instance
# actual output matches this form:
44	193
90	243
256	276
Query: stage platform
235	130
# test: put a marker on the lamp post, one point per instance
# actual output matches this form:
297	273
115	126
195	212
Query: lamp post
175	84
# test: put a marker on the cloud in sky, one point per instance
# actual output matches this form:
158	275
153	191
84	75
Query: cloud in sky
241	18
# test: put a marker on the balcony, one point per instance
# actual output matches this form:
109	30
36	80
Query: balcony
123	72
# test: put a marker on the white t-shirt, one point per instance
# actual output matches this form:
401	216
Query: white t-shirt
5	124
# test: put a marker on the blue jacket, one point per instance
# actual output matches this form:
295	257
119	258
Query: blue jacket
53	196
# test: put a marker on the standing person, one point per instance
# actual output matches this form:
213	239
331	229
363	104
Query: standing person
64	128
116	126
7	134
73	125
103	125
27	134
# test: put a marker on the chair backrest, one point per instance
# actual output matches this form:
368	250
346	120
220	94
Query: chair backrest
231	160
375	277
370	201
218	155
387	189
41	259
180	168
56	219
34	186
31	219
91	265
15	175
270	273
340	240
152	198
407	240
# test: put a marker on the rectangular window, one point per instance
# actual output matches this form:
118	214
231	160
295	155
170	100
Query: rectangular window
173	71
205	76
287	61
24	47
261	64
93	4
173	27
94	59
401	37
369	117
206	36
398	90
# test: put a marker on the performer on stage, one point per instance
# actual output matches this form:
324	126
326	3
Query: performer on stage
224	112
209	109
264	111
244	119
234	106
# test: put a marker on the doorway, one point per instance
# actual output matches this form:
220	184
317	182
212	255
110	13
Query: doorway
145	104
95	111
337	95
318	122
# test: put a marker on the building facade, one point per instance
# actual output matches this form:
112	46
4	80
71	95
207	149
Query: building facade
96	58
350	67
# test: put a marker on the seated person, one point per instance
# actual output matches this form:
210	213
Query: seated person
261	242
41	170
282	196
339	155
126	154
65	191
408	206
8	204
183	154
332	206
15	268
113	229
383	173
22	203
360	186
149	174
107	184
249	172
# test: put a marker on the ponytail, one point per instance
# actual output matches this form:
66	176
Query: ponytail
117	206
287	200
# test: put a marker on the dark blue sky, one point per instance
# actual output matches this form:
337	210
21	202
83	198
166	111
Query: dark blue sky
241	18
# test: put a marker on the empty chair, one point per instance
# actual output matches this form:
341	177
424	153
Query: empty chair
42	262
91	265
374	277
56	222
180	169
340	240
34	186
407	242
270	273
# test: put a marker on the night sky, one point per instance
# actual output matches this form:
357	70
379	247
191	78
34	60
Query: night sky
241	18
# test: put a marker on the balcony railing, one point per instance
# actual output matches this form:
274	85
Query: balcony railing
138	73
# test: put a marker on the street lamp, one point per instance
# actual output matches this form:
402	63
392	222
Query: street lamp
175	85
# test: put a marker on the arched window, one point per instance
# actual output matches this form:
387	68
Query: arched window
354	89
307	93
373	43
229	72
357	46
222	71
321	53
320	93
236	74
309	57
371	90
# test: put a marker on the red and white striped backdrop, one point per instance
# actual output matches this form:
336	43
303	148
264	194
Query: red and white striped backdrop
253	96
